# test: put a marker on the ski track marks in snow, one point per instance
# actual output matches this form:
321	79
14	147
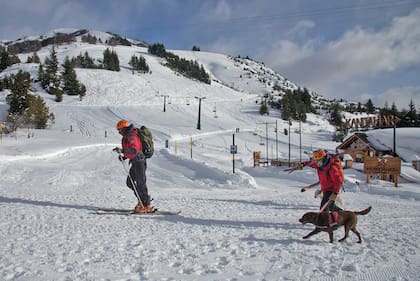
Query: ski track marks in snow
233	236
230	229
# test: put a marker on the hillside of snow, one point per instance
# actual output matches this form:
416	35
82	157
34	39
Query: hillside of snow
234	226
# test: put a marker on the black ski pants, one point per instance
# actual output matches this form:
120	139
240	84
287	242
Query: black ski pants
331	207
138	175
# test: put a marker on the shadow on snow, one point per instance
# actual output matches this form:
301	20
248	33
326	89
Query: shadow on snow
45	203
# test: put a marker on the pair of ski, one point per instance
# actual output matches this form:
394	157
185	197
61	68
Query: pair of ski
132	212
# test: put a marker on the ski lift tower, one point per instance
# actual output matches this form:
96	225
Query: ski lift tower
199	112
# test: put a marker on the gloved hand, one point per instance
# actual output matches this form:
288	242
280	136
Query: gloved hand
317	193
117	149
333	197
300	166
121	157
303	189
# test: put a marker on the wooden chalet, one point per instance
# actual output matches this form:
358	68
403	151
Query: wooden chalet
367	148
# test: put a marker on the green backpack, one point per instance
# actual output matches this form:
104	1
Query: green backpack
146	141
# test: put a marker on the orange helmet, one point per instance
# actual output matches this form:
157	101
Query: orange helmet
319	154
122	124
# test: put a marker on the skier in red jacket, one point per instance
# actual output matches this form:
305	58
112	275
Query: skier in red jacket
132	150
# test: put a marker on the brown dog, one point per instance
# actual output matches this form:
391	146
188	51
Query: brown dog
322	223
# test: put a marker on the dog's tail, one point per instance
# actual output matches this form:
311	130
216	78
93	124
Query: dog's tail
364	212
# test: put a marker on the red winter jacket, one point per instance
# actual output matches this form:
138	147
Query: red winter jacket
330	177
131	144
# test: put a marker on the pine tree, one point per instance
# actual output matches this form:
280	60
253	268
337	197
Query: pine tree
51	77
41	75
37	113
287	106
88	62
111	61
204	76
411	116
394	109
107	58
305	97
143	64
35	58
157	49
84	61
187	68
335	117
71	84
139	63
18	99
4	60
370	108
115	61
82	91
58	93
301	112
295	104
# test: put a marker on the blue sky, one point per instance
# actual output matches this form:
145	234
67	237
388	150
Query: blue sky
344	49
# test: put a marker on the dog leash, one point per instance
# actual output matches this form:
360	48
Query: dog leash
319	213
325	206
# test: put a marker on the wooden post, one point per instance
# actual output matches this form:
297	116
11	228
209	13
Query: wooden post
191	145
396	176
256	156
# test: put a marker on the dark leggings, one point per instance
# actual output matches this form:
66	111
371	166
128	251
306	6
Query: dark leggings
138	175
331	206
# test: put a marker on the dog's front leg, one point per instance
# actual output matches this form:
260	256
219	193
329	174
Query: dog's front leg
313	232
330	233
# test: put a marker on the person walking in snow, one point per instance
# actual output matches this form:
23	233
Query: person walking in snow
132	149
330	175
331	178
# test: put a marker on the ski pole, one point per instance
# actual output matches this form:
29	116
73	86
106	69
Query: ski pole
305	188
133	184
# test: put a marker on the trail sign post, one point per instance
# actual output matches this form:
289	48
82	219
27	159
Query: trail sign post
233	151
